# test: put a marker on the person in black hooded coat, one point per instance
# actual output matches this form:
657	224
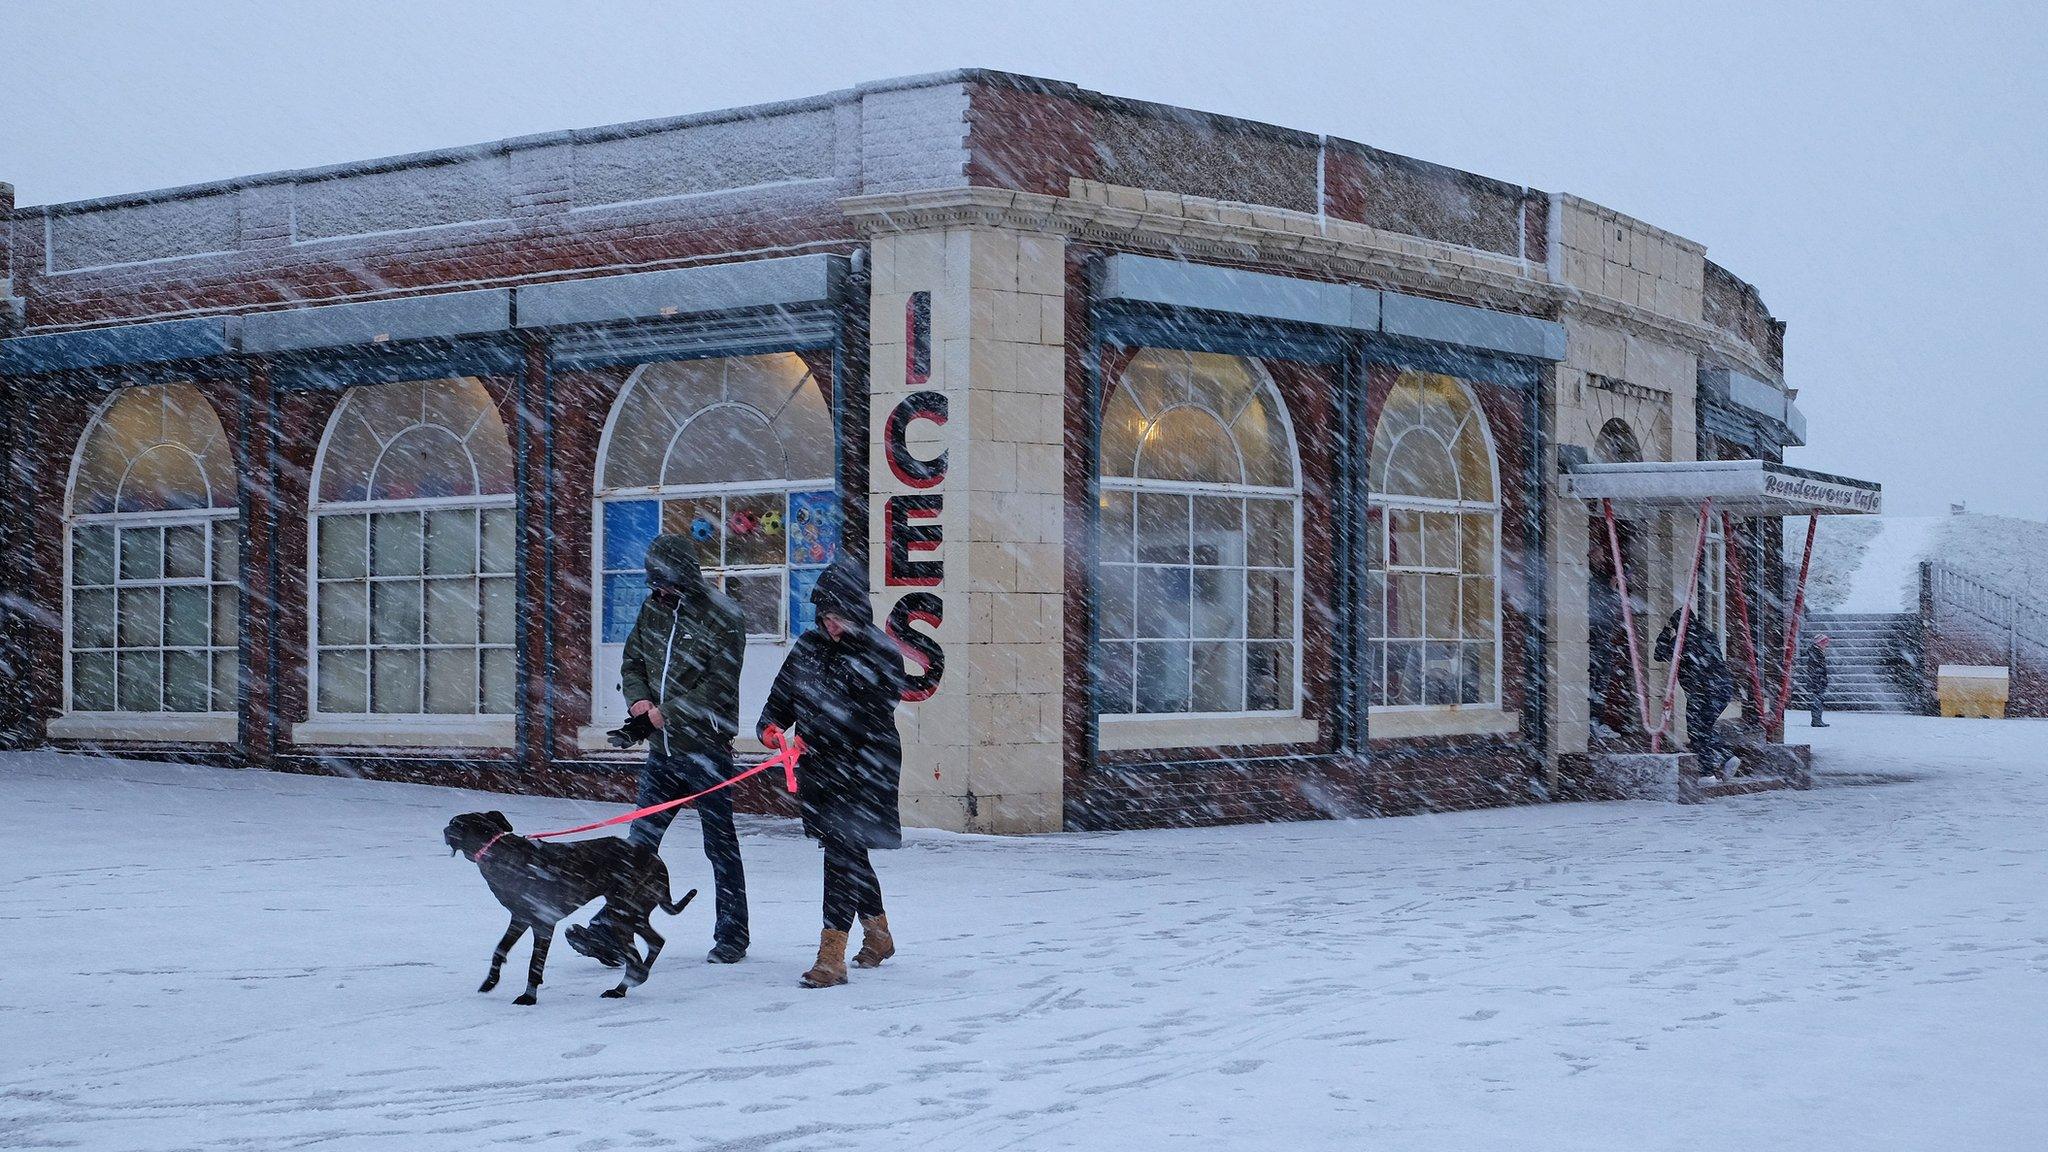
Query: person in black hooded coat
1709	688
839	689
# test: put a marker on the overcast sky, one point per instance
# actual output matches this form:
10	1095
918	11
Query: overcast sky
1876	170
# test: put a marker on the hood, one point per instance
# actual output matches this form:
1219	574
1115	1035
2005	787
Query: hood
843	591
672	559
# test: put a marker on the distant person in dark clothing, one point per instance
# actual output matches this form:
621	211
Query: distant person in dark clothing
839	690
1816	668
1708	686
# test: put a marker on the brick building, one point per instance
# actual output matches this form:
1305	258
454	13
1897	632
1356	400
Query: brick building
1208	470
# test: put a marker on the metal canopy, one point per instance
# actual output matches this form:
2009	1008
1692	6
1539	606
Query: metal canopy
1735	487
788	283
119	347
1130	278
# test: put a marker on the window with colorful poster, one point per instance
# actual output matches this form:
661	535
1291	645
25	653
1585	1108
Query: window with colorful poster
751	546
813	544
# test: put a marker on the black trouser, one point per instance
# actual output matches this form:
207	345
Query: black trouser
851	886
1702	710
692	766
1818	704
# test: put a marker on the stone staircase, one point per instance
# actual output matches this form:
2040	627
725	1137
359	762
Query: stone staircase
1870	658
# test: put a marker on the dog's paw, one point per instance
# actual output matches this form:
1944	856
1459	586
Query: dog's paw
527	998
489	983
614	993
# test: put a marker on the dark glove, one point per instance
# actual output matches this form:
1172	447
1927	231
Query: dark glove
633	731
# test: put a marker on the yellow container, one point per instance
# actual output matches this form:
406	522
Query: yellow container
1973	690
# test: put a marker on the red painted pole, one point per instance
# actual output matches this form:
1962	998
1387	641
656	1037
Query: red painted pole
1756	676
1792	622
1628	616
1692	584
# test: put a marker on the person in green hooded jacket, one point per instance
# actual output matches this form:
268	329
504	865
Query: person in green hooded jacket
681	670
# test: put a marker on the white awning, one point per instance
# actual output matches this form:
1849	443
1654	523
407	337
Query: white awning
1737	487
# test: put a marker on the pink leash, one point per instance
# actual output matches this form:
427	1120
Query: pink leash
791	749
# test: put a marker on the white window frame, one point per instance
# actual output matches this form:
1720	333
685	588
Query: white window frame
469	728
1461	507
1247	492
1714	580
118	718
131	520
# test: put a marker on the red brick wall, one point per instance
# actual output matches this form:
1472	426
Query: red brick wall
63	412
1949	643
1076	710
1400	194
1438	776
1734	307
1028	140
1036	138
576	444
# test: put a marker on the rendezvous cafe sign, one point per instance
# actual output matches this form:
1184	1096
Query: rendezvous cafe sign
1814	491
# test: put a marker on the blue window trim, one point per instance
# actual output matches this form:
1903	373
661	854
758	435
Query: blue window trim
1134	325
1452	360
125	347
335	369
752	333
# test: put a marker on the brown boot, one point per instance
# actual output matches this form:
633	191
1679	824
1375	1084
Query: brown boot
876	945
830	970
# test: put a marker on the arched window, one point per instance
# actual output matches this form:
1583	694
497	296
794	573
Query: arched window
1200	549
1434	549
152	545
413	548
736	453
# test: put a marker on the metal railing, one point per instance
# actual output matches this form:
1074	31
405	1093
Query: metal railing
1988	610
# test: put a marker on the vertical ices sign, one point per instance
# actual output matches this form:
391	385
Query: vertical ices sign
917	339
912	519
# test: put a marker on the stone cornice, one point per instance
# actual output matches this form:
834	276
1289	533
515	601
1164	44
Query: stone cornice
1243	234
1699	339
1404	263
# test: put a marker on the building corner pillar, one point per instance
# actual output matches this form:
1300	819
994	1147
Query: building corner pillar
966	525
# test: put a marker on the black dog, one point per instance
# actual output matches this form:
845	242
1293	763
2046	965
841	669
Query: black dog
541	883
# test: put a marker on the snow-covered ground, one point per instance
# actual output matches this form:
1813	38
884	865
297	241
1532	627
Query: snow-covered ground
193	958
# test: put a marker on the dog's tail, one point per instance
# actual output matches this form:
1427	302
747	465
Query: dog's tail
679	905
